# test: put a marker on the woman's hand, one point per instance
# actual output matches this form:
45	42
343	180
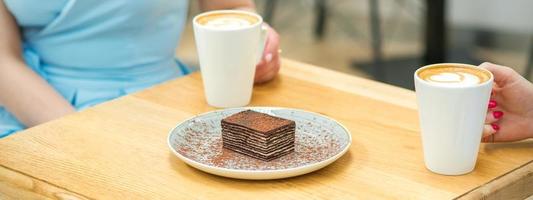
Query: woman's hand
510	115
269	65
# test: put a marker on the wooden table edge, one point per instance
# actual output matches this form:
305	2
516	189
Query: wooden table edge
16	185
510	185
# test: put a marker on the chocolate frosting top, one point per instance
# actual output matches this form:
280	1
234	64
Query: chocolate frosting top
257	121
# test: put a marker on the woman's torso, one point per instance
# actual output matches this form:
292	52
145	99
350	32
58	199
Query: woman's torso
97	47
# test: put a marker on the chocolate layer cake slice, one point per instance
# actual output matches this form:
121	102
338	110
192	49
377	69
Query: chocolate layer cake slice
258	135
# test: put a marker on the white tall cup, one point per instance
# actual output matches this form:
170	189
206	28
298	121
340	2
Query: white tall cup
451	122
228	58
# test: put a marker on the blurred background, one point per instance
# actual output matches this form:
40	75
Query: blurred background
387	40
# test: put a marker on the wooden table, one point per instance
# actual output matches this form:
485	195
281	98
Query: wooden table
118	150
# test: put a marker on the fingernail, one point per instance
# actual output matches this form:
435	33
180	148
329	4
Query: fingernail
497	114
495	127
268	57
492	104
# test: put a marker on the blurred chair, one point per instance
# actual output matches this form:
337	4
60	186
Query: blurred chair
434	31
529	67
320	17
376	38
434	45
435	49
268	13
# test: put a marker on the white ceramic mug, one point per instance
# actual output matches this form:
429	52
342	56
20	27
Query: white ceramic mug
228	58
451	122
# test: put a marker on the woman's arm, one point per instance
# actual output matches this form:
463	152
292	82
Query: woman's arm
22	91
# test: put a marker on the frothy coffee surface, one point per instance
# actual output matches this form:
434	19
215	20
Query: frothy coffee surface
227	20
454	75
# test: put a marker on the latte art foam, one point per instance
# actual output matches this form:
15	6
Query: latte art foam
458	78
454	75
227	21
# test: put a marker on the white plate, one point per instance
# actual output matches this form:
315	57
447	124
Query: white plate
319	141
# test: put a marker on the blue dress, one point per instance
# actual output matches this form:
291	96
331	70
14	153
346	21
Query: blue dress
92	51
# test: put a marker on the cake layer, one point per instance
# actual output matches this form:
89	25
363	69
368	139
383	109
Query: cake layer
255	147
245	138
258	155
256	134
251	137
266	133
244	141
274	152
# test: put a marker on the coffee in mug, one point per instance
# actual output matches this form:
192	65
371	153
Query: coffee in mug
452	104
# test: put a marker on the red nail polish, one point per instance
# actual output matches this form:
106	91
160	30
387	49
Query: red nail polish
492	104
497	114
495	127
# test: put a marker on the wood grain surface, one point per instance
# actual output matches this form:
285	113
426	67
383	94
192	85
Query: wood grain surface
516	184
118	150
15	185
